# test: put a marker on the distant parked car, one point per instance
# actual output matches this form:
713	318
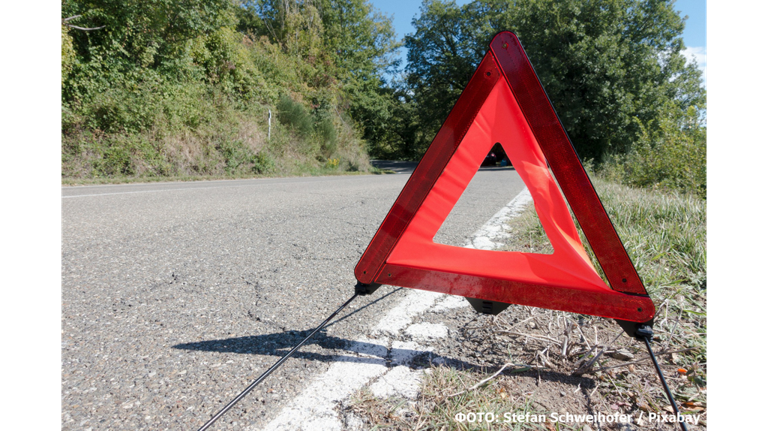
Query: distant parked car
490	160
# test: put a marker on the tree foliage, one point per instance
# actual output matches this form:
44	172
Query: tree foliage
671	156
164	67
346	40
612	68
67	52
155	71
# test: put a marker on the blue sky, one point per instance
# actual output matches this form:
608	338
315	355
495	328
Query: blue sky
694	35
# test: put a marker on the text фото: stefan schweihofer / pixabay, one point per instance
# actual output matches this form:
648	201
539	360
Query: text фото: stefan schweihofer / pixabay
600	418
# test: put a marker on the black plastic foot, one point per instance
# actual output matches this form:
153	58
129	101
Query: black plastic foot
636	330
366	289
487	307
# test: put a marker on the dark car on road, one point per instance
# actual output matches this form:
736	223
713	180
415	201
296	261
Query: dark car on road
490	159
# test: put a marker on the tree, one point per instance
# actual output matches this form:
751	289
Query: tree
67	52
134	38
347	40
610	67
442	55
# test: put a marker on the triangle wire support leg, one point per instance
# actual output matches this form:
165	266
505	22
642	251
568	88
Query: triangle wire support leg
664	383
273	367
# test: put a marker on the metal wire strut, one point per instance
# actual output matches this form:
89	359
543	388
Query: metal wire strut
273	367
664	383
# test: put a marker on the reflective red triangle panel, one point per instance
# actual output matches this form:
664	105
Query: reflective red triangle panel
403	252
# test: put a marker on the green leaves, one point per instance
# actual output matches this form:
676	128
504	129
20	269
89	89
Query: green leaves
295	116
330	50
68	56
603	63
177	88
669	154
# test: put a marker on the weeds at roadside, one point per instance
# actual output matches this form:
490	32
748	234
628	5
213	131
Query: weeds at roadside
436	409
665	236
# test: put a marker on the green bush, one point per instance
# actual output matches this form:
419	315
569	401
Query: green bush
263	163
151	97
228	61
68	56
235	155
326	133
673	158
122	110
294	115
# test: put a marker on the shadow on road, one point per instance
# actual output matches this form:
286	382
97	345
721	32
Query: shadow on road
278	344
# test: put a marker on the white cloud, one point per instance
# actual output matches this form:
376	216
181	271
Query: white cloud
699	54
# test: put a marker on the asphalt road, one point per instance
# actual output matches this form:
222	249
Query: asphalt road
176	295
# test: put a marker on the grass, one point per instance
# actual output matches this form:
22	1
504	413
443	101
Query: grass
436	409
665	236
234	146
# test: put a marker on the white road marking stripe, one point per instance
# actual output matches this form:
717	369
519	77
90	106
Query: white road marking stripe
315	407
139	191
256	182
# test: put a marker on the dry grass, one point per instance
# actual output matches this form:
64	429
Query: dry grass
233	144
665	235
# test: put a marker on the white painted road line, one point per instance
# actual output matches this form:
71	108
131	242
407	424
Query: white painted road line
129	193
220	184
315	407
485	237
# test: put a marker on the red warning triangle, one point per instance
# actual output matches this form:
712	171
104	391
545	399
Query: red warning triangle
505	102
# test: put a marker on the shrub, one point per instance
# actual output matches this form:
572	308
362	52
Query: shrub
68	56
673	158
294	115
235	155
263	163
326	133
197	106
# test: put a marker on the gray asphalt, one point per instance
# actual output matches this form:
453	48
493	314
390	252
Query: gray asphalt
176	295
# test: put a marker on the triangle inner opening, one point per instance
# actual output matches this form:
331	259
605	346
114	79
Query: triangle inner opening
495	211
499	120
